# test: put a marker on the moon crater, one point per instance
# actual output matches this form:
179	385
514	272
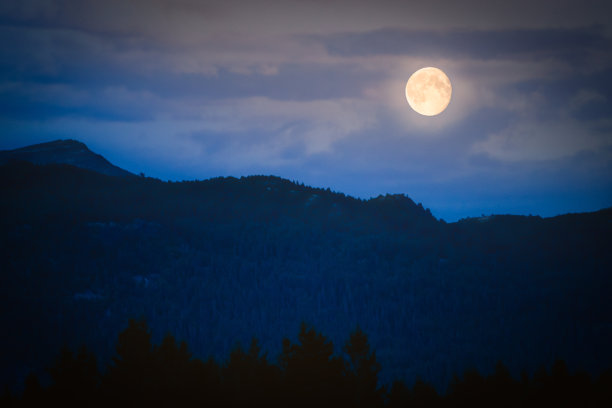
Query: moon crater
428	91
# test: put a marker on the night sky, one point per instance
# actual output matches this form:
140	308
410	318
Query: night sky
313	91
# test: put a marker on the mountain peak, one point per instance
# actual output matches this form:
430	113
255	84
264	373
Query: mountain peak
66	145
63	151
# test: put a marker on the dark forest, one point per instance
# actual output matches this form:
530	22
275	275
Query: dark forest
308	374
510	305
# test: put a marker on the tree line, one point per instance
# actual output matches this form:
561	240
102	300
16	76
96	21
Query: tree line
307	373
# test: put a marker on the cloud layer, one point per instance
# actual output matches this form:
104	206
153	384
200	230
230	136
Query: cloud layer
314	91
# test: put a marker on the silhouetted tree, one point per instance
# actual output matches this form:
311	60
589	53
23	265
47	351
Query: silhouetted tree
165	375
34	394
468	390
424	395
172	373
308	374
129	377
7	399
502	389
205	382
75	379
399	395
474	390
362	372
250	379
312	374
603	390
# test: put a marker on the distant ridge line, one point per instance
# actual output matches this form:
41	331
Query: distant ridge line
64	151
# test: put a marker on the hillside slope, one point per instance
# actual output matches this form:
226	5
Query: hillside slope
219	261
63	151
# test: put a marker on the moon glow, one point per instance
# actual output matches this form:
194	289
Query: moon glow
428	91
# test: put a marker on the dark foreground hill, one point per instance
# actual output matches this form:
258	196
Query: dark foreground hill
219	261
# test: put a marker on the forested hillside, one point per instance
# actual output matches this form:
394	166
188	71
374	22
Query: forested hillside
219	261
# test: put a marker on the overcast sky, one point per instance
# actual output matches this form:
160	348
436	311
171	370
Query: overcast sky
313	91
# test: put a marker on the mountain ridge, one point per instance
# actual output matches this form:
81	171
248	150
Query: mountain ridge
270	198
75	153
64	151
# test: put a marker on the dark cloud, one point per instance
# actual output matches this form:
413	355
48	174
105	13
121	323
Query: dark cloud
297	82
570	44
34	97
588	96
94	63
30	103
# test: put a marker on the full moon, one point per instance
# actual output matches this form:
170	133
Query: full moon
428	91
